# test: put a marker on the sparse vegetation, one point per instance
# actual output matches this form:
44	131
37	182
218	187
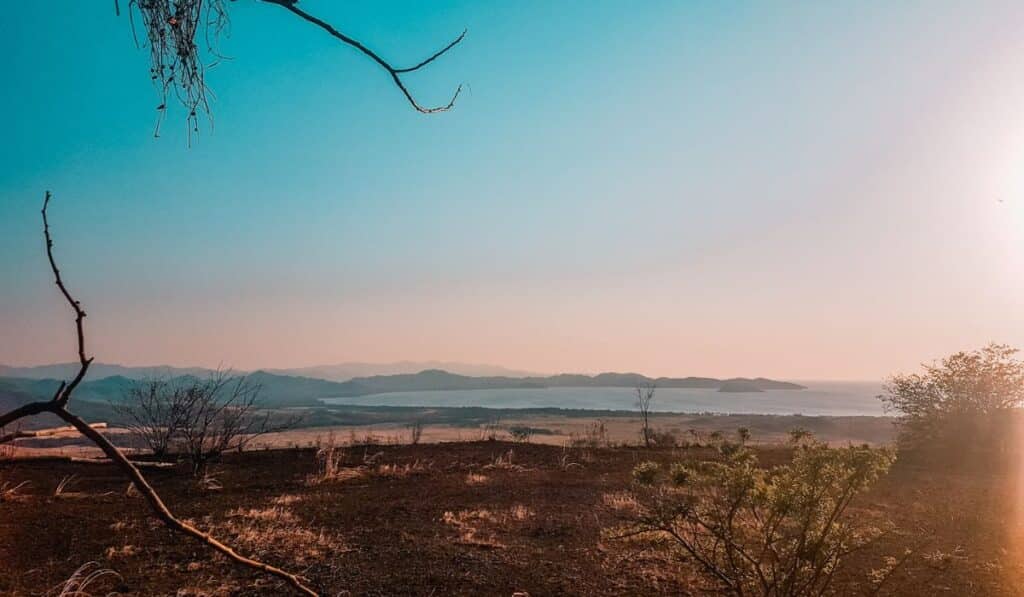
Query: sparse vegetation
644	397
415	432
777	532
520	433
962	408
199	419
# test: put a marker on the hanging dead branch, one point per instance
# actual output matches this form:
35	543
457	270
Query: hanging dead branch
183	38
58	406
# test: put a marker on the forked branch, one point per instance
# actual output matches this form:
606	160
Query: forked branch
58	406
395	73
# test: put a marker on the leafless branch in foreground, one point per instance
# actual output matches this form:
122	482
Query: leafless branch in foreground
183	37
58	406
393	71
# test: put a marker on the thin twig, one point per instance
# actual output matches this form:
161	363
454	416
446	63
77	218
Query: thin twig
394	72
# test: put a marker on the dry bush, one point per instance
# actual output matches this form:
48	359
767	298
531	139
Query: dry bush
594	435
662	438
491	430
330	463
199	419
415	432
644	397
476	479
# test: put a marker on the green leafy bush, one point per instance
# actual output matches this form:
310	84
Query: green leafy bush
779	532
646	473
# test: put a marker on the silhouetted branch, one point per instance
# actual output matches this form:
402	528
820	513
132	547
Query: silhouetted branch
58	407
394	72
64	391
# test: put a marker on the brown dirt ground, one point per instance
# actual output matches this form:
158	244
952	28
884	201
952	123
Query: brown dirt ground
454	519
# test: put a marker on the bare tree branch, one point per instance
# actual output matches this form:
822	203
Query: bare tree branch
58	406
394	72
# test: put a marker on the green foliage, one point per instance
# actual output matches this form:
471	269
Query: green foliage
646	473
964	404
680	474
778	532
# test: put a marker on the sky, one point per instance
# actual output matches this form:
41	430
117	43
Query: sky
800	190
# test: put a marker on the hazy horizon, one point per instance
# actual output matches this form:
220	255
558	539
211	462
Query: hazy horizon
518	372
668	188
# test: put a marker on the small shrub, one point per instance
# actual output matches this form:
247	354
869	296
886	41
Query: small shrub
679	473
781	532
662	438
415	432
646	473
521	433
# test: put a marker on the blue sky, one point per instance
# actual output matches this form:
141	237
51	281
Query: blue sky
807	190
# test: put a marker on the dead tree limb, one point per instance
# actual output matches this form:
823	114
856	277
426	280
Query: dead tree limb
41	433
58	406
395	73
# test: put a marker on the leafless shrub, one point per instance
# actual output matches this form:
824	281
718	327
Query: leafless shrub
155	414
199	419
491	430
415	432
644	396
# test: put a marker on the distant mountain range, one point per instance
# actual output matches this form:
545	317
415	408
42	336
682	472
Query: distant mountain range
338	372
347	371
280	391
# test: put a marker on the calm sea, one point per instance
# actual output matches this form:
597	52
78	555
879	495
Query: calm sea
820	398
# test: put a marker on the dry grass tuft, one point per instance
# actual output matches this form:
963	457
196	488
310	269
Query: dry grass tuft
78	584
276	514
476	527
476	479
621	501
288	499
505	462
125	551
13	492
